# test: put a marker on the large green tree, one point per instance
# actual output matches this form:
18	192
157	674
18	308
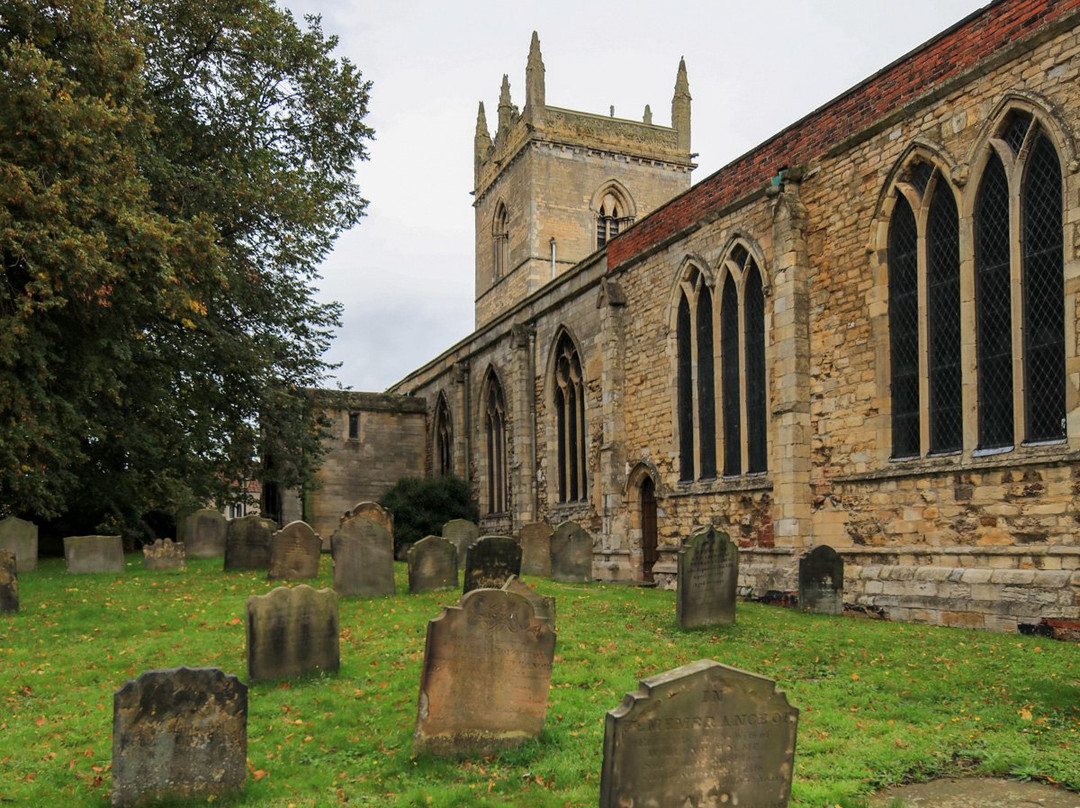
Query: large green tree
171	174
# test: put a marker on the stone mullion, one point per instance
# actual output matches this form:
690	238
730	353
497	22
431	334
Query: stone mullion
607	489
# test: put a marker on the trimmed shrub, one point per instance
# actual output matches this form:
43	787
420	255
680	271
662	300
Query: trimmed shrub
422	505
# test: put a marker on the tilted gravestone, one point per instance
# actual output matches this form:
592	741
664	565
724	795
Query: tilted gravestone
363	554
164	554
247	543
292	631
90	554
485	677
462	533
543	605
708	573
203	533
9	583
703	734
21	538
821	581
432	565
536	549
490	561
571	554
294	553
179	734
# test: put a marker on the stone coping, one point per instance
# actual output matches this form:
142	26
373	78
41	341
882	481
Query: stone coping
1012	550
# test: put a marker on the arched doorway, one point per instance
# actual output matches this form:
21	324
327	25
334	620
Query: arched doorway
648	528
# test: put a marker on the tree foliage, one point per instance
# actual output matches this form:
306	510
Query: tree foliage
171	174
422	505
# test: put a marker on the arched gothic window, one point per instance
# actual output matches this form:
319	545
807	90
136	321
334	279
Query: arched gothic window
612	217
696	393
495	444
500	241
444	438
569	392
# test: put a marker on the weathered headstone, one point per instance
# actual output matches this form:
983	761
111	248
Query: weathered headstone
490	561
708	573
294	552
89	554
432	565
571	554
704	734
9	583
291	631
179	734
373	511
462	533
536	549
164	554
543	605
821	581
21	538
363	553
247	543
485	678
203	533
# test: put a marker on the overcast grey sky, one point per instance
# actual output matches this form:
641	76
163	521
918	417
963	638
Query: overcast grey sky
405	273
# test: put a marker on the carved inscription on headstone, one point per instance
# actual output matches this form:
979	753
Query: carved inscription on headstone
485	679
543	605
179	734
821	581
432	565
294	552
203	533
704	734
363	553
9	583
291	632
462	533
571	554
373	511
164	554
247	543
90	554
708	574
536	549
21	538
490	561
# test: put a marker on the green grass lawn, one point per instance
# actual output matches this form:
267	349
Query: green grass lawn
880	703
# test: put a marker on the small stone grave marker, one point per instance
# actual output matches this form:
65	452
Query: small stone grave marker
571	554
490	561
9	583
247	543
21	538
462	533
536	549
179	734
294	553
821	581
432	565
203	533
292	631
91	554
704	734
708	574
485	677
363	554
164	554
373	511
543	605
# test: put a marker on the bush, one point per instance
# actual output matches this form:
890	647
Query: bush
422	505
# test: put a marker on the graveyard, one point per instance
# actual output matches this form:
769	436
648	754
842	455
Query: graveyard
879	704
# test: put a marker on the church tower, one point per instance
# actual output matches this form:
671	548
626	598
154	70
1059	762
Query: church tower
554	185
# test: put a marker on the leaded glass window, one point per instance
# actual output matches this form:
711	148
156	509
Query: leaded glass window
696	392
495	432
729	369
943	310
756	408
570	420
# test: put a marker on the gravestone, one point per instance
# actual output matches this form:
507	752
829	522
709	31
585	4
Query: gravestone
247	543
294	553
571	554
432	565
292	631
203	533
164	554
373	511
9	583
708	573
821	581
179	734
363	555
90	554
543	605
485	677
21	538
704	734
462	533
536	549
490	561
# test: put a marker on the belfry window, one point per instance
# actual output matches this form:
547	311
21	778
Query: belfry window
495	444
500	241
696	392
608	220
569	393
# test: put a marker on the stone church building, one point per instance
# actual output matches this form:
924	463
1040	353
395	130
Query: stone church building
862	333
